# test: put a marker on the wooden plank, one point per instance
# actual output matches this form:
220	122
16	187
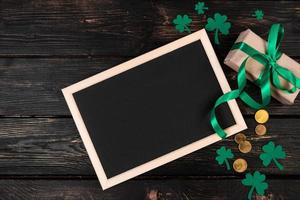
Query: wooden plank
143	189
32	87
127	28
47	146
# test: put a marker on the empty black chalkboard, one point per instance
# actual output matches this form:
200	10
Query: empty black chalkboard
152	109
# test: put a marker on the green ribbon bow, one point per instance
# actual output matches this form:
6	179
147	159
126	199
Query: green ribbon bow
269	75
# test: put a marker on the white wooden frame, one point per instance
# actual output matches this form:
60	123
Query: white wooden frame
95	158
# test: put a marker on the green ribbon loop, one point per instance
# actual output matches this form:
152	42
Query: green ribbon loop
269	75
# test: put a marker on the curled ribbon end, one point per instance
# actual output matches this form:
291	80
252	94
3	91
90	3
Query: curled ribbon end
223	136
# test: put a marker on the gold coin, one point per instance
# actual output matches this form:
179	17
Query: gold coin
240	137
261	116
240	165
260	129
245	147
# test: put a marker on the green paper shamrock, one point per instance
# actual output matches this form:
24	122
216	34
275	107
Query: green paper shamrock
200	7
256	182
272	152
218	24
223	156
182	23
259	14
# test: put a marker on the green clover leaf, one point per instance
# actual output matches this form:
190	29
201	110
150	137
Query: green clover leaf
182	23
200	7
223	156
219	23
256	182
272	152
259	14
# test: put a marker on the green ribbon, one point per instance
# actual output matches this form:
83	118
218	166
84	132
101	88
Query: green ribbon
269	75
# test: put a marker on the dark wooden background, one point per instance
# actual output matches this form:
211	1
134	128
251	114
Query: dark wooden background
48	45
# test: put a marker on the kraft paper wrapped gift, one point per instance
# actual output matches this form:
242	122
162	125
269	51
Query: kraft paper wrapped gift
235	58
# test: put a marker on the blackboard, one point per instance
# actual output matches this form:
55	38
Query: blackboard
157	104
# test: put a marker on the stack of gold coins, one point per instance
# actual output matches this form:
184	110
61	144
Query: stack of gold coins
261	117
244	145
240	165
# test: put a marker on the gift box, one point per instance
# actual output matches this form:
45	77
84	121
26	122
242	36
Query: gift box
235	58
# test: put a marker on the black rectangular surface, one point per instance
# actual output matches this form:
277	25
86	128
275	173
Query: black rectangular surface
152	109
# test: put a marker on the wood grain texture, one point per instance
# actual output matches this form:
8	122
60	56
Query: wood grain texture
48	45
183	189
127	28
52	147
32	86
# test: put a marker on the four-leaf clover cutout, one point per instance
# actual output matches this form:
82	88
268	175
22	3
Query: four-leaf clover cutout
272	152
218	24
223	156
255	182
182	23
259	14
200	7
